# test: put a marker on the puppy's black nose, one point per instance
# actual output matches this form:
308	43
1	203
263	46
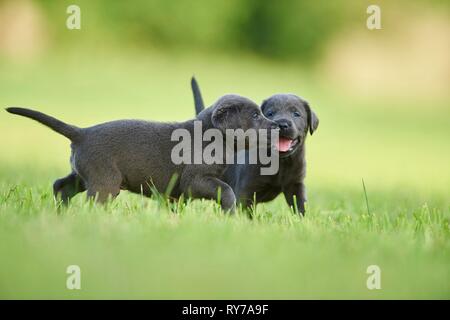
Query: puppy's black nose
284	125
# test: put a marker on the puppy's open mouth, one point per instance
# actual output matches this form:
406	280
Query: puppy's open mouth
286	144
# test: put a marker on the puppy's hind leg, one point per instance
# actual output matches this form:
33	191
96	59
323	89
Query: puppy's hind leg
102	187
208	188
67	187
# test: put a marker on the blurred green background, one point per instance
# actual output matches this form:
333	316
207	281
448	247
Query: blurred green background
382	97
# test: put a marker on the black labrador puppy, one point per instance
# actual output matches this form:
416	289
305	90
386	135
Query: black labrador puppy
295	119
136	155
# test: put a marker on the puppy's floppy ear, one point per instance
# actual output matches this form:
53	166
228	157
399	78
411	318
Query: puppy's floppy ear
225	116
313	121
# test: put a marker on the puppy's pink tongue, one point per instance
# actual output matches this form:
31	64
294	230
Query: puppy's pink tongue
284	144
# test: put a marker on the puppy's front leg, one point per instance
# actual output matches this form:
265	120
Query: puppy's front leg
208	188
296	190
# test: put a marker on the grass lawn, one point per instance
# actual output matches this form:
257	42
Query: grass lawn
135	247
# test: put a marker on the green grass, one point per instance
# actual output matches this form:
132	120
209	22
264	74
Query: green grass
136	248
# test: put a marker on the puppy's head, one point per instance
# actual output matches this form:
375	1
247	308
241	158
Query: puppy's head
236	112
294	117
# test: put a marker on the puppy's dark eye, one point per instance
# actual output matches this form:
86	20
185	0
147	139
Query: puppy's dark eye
255	116
297	114
269	113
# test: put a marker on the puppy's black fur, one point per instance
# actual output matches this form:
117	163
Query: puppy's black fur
294	118
135	155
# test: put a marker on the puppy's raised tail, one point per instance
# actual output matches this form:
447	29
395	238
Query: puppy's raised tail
67	130
198	100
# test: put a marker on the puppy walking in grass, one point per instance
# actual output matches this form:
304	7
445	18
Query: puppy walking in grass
135	155
295	119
